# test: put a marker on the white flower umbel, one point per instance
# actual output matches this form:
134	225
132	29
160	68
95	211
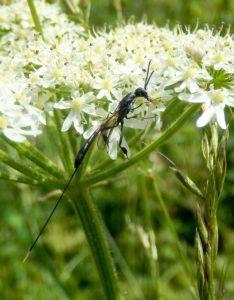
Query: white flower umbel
89	72
214	101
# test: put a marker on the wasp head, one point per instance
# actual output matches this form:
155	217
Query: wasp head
140	92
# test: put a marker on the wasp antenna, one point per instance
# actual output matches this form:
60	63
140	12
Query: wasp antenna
147	74
149	79
50	215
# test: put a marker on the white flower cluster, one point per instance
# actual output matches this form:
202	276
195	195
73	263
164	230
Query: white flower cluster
87	74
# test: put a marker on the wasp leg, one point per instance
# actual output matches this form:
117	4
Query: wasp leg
109	134
134	108
125	151
105	138
132	117
104	142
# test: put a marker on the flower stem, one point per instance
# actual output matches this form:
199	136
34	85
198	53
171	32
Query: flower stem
95	233
136	289
22	168
33	154
66	152
36	20
18	178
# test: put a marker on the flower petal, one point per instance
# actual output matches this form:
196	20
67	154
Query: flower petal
193	98
63	104
229	101
14	135
205	117
67	122
78	125
101	94
221	119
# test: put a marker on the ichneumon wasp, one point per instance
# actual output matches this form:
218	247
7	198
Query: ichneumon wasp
124	107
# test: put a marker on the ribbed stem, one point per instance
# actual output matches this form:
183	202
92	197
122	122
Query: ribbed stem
22	168
30	152
66	152
95	233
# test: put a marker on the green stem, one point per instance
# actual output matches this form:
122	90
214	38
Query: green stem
95	233
18	178
66	152
212	242
22	168
118	9
72	6
36	20
73	142
134	284
171	227
147	150
33	154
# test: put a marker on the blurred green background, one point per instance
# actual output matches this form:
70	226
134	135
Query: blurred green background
61	266
161	12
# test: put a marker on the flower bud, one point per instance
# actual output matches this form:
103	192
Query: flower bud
201	226
199	249
200	262
208	263
221	164
187	182
216	238
205	148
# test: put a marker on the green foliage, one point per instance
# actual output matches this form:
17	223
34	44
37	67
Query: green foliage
164	11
